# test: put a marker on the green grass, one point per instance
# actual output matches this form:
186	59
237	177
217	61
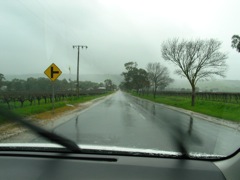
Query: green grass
227	111
28	110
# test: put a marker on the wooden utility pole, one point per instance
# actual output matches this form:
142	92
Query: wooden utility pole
78	47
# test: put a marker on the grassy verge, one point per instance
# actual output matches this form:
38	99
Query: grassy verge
227	111
28	110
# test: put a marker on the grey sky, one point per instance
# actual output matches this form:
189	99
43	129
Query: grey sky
36	33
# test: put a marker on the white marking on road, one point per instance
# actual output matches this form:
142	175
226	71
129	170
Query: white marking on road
136	110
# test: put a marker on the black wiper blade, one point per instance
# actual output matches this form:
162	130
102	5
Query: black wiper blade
72	146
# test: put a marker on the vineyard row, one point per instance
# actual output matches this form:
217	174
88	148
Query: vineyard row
22	97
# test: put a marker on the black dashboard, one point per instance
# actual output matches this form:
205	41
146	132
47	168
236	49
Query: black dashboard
59	166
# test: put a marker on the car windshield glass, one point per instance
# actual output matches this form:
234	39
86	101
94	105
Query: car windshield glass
142	76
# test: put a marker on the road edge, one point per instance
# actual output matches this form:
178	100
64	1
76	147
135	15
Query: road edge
16	130
230	124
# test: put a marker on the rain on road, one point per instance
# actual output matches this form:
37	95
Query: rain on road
124	121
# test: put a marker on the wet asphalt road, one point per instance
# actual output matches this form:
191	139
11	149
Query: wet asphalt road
125	121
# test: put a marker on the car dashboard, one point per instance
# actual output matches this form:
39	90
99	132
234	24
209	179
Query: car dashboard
25	165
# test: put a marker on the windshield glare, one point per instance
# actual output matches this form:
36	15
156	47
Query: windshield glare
154	77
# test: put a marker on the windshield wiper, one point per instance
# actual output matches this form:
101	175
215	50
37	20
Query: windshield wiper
70	145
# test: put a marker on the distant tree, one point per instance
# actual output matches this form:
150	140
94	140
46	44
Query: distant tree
87	85
18	85
101	84
131	67
122	86
196	60
2	78
32	85
236	42
134	78
44	84
140	79
108	84
158	76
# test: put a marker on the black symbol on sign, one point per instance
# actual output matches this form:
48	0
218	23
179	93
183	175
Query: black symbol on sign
53	72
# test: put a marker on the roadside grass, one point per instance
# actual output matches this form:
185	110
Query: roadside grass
49	114
59	106
2	120
227	111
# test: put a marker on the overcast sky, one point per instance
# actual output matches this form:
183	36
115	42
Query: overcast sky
35	33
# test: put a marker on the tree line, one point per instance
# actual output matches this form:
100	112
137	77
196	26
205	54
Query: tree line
34	90
156	76
44	85
196	60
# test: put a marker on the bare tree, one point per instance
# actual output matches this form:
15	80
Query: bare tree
236	42
158	76
196	60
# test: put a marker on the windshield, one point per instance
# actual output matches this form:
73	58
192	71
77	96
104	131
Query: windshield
156	77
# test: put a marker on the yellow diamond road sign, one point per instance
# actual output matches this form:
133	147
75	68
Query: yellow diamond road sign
53	72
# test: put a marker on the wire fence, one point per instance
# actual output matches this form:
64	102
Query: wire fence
206	96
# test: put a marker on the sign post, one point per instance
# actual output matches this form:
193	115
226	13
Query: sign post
53	99
53	72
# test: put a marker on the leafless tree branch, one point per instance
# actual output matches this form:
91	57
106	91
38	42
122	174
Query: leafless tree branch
198	59
158	76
